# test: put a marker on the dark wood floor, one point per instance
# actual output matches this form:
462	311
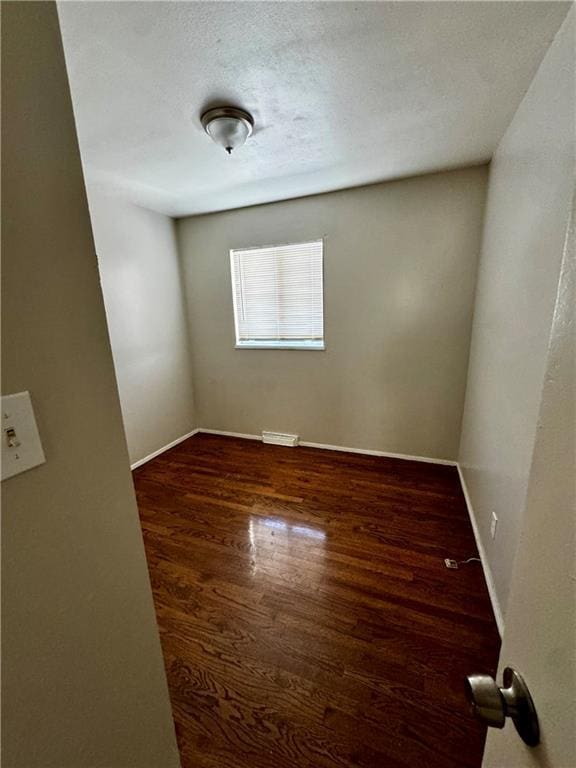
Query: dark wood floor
306	615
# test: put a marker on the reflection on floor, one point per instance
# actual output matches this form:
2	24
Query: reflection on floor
306	615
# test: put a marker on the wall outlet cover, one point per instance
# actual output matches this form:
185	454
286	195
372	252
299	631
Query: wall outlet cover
493	525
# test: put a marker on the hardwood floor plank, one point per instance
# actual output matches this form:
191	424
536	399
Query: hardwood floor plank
306	616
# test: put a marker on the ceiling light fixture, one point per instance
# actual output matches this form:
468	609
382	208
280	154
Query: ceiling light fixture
228	126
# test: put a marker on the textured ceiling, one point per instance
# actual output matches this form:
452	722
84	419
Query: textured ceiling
342	94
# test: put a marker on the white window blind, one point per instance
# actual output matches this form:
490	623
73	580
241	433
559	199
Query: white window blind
278	296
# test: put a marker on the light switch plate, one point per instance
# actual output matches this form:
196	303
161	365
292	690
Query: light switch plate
21	446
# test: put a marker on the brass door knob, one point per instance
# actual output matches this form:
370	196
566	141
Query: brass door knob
492	705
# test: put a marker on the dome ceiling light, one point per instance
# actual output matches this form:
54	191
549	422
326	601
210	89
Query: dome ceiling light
228	126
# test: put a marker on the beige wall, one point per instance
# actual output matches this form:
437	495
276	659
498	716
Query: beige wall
142	287
528	202
400	267
82	674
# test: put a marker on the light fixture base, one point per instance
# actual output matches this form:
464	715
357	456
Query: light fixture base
228	126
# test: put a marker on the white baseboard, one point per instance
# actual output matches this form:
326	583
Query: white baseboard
485	565
385	454
229	434
164	448
327	447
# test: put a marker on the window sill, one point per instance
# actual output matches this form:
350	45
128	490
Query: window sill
310	346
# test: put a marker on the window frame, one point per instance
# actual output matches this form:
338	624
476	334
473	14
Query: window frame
307	345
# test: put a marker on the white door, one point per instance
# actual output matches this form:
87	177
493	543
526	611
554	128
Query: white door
540	636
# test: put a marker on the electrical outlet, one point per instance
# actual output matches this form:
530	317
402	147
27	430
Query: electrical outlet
493	525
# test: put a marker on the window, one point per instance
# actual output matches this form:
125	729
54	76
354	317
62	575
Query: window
278	296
